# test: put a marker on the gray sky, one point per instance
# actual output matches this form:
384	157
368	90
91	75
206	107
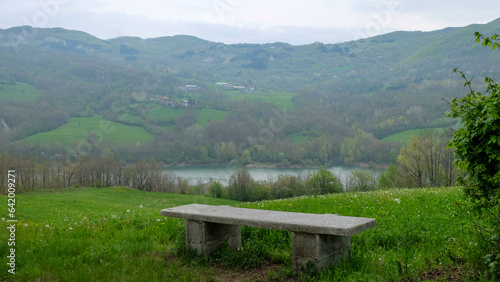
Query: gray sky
247	21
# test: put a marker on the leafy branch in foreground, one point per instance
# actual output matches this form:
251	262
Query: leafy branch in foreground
477	150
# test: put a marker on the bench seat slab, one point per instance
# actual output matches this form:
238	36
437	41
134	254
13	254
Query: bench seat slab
331	224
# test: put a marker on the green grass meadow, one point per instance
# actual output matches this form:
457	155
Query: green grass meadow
207	115
404	136
117	234
282	100
76	129
18	92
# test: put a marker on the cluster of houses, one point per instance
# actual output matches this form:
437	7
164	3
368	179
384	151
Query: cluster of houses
169	102
228	86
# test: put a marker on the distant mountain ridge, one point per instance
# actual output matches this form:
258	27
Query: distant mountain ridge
217	61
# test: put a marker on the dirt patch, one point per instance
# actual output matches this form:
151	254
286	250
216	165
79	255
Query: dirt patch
454	273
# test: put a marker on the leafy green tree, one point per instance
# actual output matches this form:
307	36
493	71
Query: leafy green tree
426	162
324	182
361	180
388	177
477	149
240	184
215	189
411	160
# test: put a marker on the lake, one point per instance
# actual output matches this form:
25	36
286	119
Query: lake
197	174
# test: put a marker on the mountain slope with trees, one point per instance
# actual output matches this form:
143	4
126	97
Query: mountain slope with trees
345	96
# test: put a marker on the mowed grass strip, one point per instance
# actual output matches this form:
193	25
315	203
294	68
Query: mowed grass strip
117	234
18	92
77	129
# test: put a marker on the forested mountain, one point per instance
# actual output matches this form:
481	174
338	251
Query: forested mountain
189	100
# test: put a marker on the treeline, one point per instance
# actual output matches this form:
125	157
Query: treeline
35	173
425	161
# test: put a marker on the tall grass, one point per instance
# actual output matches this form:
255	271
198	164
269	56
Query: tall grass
105	235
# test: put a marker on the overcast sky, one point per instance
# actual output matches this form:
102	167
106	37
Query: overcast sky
247	21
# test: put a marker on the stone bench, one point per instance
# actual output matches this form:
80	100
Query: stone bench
319	238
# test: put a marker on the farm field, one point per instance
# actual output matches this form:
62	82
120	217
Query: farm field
76	130
117	234
18	92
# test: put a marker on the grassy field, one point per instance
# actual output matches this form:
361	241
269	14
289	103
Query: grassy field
165	113
18	92
298	138
404	136
207	115
117	234
76	129
282	100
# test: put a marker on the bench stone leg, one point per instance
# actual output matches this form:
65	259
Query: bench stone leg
205	237
320	249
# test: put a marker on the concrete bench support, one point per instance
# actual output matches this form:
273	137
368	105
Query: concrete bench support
321	239
320	249
205	237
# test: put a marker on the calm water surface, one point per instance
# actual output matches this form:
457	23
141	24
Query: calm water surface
197	174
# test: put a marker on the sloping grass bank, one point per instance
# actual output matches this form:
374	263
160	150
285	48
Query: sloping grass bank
117	234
